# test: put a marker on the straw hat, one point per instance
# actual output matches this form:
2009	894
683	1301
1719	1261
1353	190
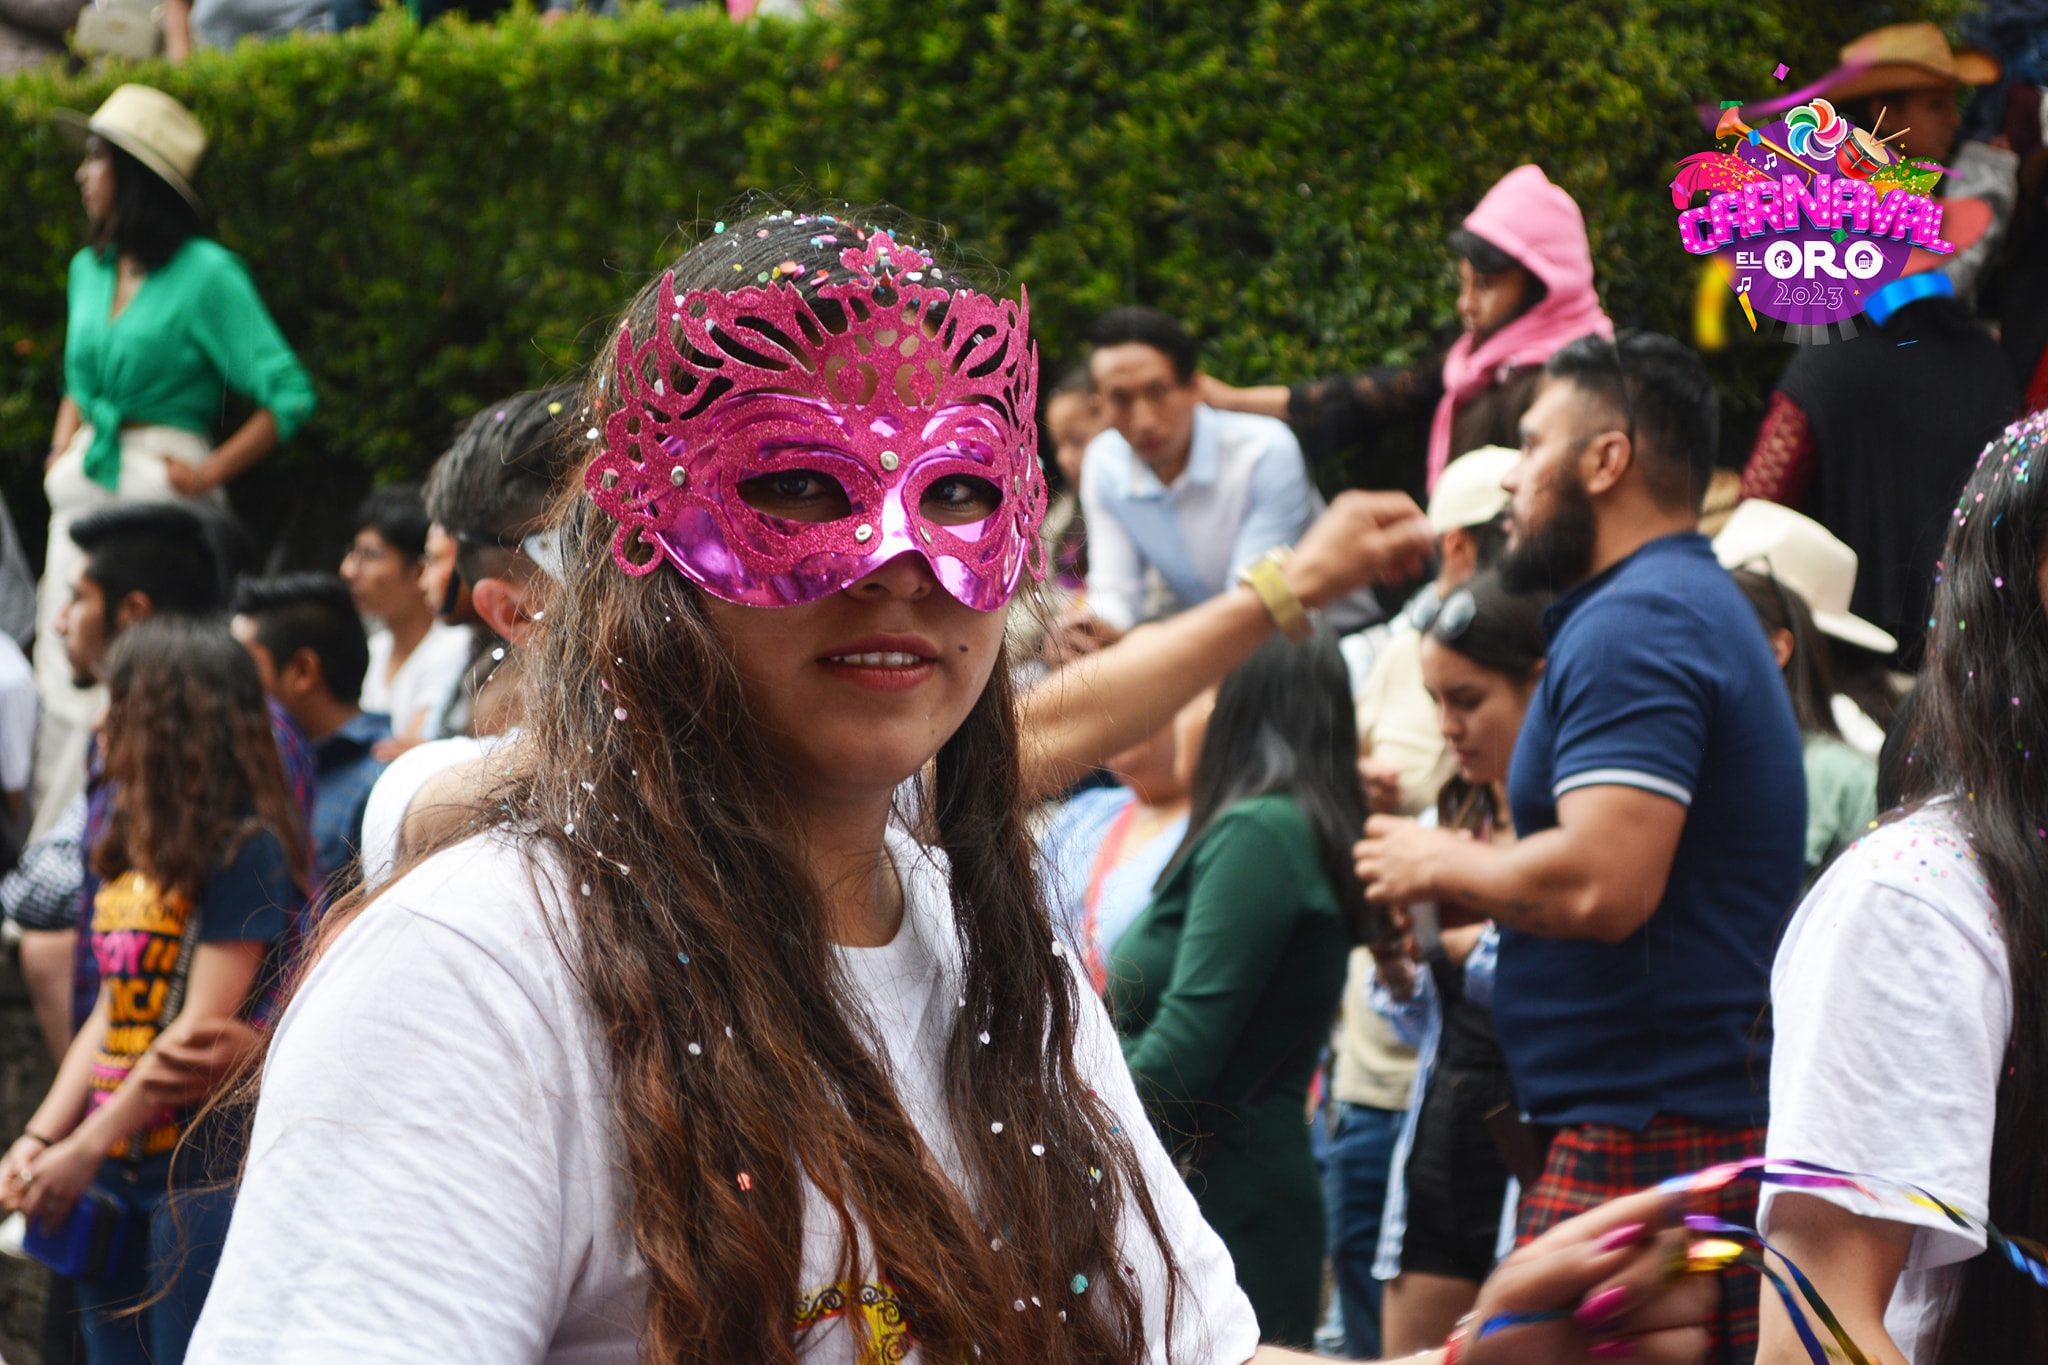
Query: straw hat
1468	492
151	127
1910	57
1807	558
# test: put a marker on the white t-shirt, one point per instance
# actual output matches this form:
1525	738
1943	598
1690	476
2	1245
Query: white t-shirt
433	1172
416	696
384	815
397	785
17	716
1893	1006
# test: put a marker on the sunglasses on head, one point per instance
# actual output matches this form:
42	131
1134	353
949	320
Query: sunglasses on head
1449	617
543	549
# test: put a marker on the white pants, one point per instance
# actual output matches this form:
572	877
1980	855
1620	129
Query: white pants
64	726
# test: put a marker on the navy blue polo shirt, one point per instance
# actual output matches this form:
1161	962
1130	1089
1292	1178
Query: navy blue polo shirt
1659	678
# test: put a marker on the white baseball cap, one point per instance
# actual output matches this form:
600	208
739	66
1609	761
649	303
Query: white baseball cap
1468	492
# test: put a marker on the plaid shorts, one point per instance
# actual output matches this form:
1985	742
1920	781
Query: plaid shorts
1595	1162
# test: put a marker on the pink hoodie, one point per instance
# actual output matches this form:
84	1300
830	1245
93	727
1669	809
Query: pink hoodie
1540	226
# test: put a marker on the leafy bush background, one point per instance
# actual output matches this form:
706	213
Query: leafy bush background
440	217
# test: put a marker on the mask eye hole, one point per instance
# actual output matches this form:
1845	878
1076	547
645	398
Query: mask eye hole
804	495
960	500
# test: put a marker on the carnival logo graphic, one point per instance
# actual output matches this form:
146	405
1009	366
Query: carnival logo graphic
1810	214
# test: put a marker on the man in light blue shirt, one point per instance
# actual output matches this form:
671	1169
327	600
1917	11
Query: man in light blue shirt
1175	486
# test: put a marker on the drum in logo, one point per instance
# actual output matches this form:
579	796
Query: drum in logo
1862	155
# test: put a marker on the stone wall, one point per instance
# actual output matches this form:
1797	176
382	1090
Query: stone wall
25	1073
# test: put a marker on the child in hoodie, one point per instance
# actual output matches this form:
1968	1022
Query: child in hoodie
1525	289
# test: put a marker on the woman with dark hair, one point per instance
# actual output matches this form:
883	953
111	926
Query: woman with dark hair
1910	995
1525	288
1450	1195
674	1045
162	321
1841	783
1073	418
202	868
1226	985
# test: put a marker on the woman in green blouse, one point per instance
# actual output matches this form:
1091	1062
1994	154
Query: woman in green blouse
162	322
1224	988
1841	782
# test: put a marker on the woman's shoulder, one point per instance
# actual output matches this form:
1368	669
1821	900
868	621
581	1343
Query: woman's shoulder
204	252
492	901
89	261
255	849
1926	849
201	259
1275	819
1829	756
1275	810
1087	811
1920	873
252	892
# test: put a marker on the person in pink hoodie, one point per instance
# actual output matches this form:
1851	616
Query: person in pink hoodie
1525	288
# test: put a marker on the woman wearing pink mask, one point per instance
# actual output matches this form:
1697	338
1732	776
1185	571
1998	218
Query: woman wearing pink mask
680	1047
1525	288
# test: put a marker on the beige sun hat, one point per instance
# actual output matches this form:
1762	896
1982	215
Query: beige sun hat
1807	558
1910	57
151	127
1468	492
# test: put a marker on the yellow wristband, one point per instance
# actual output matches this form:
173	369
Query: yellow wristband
1264	577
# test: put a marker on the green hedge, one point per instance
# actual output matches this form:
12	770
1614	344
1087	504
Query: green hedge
438	217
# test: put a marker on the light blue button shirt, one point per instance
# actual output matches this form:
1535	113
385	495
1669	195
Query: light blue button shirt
1245	490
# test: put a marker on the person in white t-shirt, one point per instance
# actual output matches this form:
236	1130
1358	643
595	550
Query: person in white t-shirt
416	660
488	496
1910	995
17	725
676	1049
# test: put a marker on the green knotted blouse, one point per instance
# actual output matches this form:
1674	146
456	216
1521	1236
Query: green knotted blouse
193	329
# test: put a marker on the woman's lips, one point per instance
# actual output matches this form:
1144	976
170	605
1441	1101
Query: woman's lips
883	663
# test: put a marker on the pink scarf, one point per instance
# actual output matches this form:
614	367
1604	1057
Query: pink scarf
1540	226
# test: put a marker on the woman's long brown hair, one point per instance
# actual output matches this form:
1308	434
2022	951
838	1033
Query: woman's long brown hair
1977	727
191	757
672	836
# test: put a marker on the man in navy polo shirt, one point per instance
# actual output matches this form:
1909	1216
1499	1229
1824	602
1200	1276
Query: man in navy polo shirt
1658	798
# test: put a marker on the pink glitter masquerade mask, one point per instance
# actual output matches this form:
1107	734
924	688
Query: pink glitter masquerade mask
915	384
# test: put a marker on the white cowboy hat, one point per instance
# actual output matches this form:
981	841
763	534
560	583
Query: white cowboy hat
151	127
1807	558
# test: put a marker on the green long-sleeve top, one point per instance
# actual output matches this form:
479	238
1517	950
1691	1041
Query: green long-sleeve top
194	328
1841	799
1226	985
